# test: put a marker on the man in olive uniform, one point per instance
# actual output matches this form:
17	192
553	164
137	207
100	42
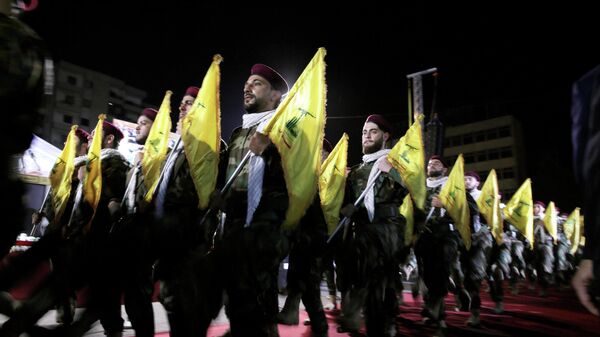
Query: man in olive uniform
181	244
368	260
98	259
543	248
437	245
253	243
307	250
134	231
475	260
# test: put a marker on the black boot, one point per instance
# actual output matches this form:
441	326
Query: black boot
290	315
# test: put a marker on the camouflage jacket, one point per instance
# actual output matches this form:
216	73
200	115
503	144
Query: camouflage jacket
388	188
440	221
274	200
22	68
114	175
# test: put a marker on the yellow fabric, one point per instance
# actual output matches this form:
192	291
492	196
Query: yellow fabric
551	221
201	134
332	182
297	130
406	209
156	146
408	157
453	196
572	229
489	205
92	182
61	176
519	210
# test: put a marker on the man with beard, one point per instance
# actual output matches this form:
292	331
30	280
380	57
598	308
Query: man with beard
368	259
474	260
181	243
543	246
436	247
134	232
253	243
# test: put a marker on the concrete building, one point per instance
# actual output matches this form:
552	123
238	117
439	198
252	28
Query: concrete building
495	143
80	95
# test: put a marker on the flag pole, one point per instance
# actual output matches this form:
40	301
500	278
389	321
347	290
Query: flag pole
226	188
40	211
356	203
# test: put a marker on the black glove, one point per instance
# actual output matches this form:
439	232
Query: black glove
348	210
216	201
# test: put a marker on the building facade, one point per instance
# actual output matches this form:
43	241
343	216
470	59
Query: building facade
80	95
495	143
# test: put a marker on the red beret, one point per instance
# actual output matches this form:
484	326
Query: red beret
473	174
111	129
327	145
150	113
270	75
82	135
192	91
438	158
537	202
383	124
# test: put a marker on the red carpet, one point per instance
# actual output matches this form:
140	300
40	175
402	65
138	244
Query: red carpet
526	314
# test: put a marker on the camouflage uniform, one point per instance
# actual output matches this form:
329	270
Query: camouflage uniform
369	257
185	271
437	252
544	254
307	248
22	68
251	254
475	260
561	251
96	252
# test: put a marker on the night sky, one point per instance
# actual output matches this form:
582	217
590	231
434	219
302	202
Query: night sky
521	61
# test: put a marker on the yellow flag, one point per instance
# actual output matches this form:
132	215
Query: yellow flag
201	134
156	146
582	231
489	205
519	210
453	196
571	227
551	221
92	182
61	175
408	157
297	130
406	209
332	182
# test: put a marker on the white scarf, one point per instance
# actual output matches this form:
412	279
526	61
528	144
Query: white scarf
256	168
433	183
250	120
370	196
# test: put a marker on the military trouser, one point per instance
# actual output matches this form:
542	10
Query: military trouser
500	271
475	262
544	256
370	267
250	258
304	278
436	253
